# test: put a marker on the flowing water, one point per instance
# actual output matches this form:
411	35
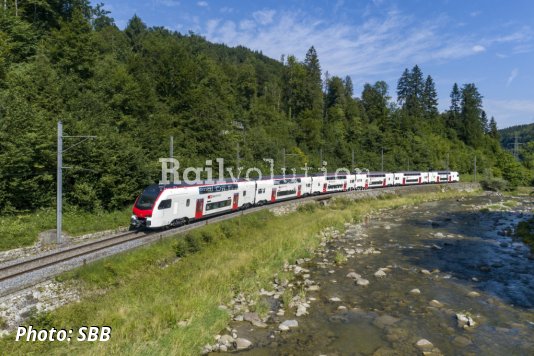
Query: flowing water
446	249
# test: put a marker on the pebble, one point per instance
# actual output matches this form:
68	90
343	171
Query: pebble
424	345
461	341
342	307
425	271
335	299
436	303
415	291
473	294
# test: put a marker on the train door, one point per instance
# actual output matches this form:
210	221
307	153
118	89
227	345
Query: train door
235	205
324	187
299	191
437	179
273	195
419	181
403	180
200	208
345	186
366	184
450	178
384	183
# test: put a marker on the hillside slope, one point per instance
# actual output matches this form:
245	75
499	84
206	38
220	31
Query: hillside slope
133	88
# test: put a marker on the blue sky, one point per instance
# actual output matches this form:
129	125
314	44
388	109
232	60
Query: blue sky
489	43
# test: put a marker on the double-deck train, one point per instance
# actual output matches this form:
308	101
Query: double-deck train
175	205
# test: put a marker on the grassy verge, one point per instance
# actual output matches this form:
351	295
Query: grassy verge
146	294
23	230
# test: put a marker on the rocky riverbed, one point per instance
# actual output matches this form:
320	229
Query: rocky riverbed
443	277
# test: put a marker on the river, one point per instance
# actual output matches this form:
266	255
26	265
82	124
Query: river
440	262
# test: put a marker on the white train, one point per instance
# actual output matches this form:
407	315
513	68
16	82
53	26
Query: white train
176	205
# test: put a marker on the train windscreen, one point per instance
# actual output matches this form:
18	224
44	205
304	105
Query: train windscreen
148	197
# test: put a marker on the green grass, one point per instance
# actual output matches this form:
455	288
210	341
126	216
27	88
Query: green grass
340	258
521	191
23	230
144	294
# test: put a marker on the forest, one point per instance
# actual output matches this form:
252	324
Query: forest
133	88
524	149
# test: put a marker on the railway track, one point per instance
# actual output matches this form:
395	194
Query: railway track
57	256
16	275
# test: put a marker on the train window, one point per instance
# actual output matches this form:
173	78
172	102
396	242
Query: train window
218	205
187	202
244	193
165	204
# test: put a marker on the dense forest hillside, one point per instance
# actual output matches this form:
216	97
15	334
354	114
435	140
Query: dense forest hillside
525	134
133	88
524	150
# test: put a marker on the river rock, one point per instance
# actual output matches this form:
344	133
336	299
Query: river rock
362	282
242	344
385	320
436	303
301	310
424	345
254	319
425	271
473	294
465	321
353	275
226	340
206	349
251	317
461	341
286	325
415	291
335	299
380	273
314	288
223	348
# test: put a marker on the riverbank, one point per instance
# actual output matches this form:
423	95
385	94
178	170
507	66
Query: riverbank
446	277
157	302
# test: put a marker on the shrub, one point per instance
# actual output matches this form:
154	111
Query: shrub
307	208
193	243
207	236
181	248
40	319
495	184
